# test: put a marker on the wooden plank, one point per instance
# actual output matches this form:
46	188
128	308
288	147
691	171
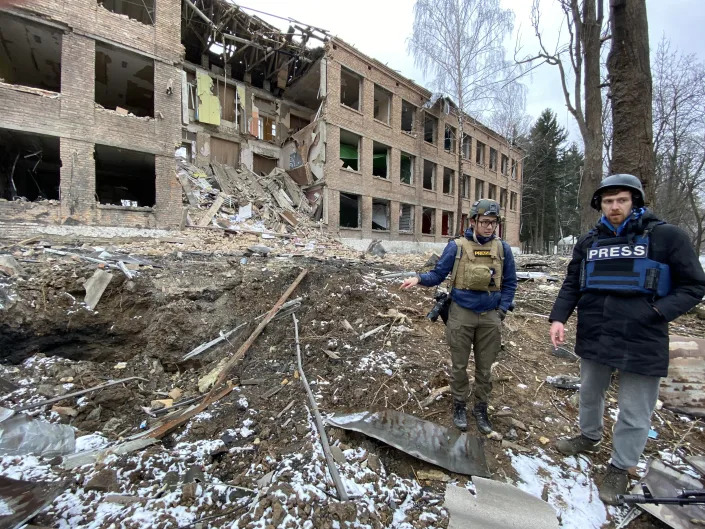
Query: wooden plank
186	185
206	220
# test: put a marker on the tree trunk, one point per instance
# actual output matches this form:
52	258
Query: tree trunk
629	72
592	132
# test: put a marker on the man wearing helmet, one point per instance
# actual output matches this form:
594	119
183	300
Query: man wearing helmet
484	281
629	276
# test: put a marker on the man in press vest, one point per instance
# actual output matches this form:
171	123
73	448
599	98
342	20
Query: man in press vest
629	276
483	285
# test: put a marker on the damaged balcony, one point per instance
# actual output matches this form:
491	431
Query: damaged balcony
29	166
30	54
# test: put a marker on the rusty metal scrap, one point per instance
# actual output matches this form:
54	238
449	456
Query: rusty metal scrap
450	449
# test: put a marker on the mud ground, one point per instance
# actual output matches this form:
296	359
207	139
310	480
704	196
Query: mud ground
52	344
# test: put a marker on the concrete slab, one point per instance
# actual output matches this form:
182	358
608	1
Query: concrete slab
95	287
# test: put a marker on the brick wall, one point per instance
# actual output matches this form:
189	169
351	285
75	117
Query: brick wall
74	118
363	123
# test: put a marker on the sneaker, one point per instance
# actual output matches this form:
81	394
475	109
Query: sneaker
613	484
460	416
480	414
577	445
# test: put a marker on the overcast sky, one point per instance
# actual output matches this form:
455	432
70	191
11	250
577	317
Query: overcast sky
380	29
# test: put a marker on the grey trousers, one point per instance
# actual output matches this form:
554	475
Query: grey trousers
479	332
636	400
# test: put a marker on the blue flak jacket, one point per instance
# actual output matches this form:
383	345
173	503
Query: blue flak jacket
475	300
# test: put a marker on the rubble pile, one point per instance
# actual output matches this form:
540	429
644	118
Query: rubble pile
240	200
158	442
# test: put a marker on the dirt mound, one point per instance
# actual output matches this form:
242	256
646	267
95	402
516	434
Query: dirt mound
254	457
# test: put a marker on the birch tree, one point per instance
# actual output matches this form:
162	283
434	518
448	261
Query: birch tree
459	44
679	139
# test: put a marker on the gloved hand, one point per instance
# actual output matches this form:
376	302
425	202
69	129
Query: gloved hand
502	314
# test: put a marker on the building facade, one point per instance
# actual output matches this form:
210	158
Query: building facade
119	87
90	112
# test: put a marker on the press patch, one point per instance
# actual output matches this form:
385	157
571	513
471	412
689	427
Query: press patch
623	251
482	253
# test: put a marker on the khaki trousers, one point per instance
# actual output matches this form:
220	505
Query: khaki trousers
479	332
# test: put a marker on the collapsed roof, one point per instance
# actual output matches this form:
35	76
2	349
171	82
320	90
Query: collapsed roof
256	51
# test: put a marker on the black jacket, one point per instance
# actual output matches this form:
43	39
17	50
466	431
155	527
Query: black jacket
630	332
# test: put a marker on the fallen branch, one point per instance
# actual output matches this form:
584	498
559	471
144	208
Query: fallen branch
286	309
342	494
245	346
165	428
75	394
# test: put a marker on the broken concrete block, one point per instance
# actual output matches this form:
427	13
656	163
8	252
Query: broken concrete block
9	266
161	403
95	287
103	481
122	111
260	249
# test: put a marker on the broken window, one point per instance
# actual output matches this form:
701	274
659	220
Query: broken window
513	201
466	186
349	210
263	165
480	153
430	125
503	198
296	123
225	152
408	114
467	146
449	142
30	54
447	223
380	214
142	11
350	84
124	80
350	150
29	166
380	160
267	129
406	169
515	170
428	221
505	164
406	218
493	159
124	177
448	177
479	189
383	103
429	175
492	192
226	95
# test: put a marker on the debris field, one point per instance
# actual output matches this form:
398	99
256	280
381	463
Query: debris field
248	453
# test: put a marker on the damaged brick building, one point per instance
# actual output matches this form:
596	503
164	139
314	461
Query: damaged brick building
105	93
90	112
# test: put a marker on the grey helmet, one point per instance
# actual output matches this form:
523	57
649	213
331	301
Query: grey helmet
622	180
484	206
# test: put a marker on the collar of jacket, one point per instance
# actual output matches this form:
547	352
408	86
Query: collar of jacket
631	223
480	238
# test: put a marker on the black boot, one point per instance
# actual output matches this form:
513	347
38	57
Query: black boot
460	415
480	414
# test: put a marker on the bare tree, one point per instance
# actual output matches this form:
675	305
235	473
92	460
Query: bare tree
460	43
579	60
630	92
679	139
